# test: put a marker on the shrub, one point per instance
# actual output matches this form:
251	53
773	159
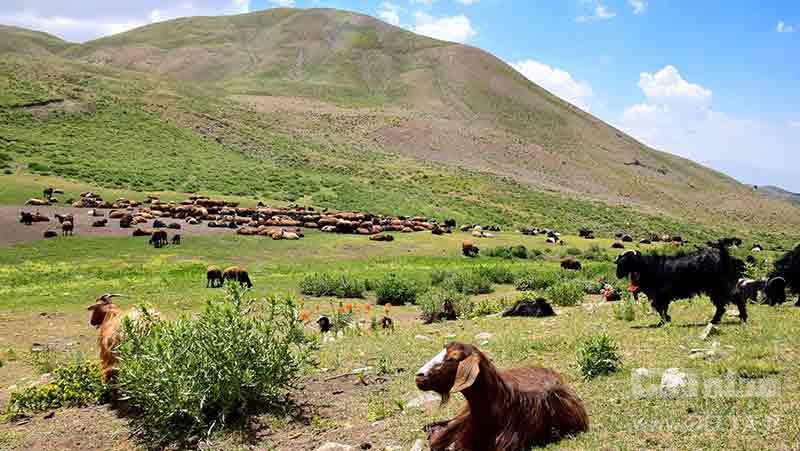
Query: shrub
592	286
598	356
596	253
324	284
76	384
394	290
537	280
468	282
508	252
625	311
566	293
342	317
573	251
496	274
318	284
431	300
349	287
439	275
487	306
190	376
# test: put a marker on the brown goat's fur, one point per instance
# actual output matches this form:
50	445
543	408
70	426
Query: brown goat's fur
106	318
506	410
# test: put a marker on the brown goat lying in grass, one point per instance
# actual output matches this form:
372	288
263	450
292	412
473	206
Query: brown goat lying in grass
506	410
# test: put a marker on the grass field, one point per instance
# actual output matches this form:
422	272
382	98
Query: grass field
45	286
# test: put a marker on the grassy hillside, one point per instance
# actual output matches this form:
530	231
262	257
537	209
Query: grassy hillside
20	40
340	110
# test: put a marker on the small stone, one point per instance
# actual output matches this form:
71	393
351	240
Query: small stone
641	372
419	445
484	336
422	337
331	446
673	383
362	370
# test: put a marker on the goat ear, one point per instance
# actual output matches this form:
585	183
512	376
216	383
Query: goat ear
467	372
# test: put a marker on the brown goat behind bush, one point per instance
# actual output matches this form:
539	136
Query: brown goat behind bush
506	410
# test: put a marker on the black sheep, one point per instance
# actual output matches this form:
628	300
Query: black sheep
537	308
787	267
775	291
664	279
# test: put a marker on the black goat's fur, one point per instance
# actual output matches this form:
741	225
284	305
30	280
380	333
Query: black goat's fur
787	267
666	278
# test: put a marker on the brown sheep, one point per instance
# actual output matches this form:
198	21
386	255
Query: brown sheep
214	277
571	264
64	218
237	274
469	249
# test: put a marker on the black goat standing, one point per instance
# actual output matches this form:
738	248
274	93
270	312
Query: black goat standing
664	279
788	269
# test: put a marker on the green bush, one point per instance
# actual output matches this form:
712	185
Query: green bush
196	374
487	306
537	279
349	287
598	356
596	253
439	275
431	300
76	384
573	251
566	293
592	286
625	310
508	252
468	282
318	284
394	290
324	284
497	274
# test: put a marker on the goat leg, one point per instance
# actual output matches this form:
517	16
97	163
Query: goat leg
741	304
718	314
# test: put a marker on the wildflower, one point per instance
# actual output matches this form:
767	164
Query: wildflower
304	316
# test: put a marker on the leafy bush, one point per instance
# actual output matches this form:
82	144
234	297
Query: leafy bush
190	376
468	282
573	251
508	252
342	317
318	284
439	275
537	279
592	286
394	290
496	274
349	287
76	384
596	253
598	356
625	310
324	284
431	300
487	306
566	293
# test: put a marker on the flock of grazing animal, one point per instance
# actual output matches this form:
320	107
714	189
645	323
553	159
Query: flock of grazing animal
505	410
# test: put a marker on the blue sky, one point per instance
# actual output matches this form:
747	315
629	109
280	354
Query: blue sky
716	81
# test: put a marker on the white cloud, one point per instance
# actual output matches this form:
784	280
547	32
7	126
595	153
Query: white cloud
389	13
468	2
82	20
422	2
678	116
639	6
601	12
447	28
783	28
559	82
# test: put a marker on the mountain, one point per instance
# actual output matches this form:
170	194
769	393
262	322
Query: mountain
345	102
35	43
779	193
